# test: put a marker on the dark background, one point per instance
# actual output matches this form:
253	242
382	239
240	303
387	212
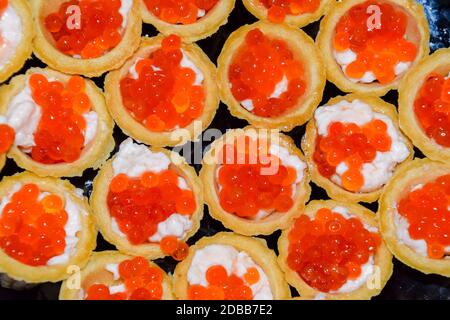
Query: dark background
404	284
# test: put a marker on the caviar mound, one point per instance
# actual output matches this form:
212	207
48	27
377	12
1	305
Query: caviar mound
423	100
323	158
35	265
191	20
278	193
324	226
76	159
88	47
134	241
363	61
23	49
426	179
297	13
255	248
97	280
189	103
285	103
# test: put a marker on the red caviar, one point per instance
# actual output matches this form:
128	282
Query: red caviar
352	144
32	230
176	248
278	9
426	210
432	108
138	209
7	136
251	182
180	11
329	250
222	286
60	134
258	67
142	282
378	49
3	5
165	95
99	29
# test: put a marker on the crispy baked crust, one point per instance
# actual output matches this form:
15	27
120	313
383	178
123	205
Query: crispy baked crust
303	47
136	129
258	10
413	173
256	248
265	226
93	154
333	190
383	258
408	89
203	28
87	237
24	49
419	31
97	263
102	217
2	161
44	49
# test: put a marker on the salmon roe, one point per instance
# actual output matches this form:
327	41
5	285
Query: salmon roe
329	249
165	96
31	228
7	136
257	69
427	211
3	5
432	108
180	11
60	134
353	145
177	249
139	208
252	182
142	282
377	50
278	9
100	28
222	286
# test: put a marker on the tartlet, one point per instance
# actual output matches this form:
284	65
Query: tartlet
271	215
195	30
176	135
408	183
415	32
252	250
410	88
104	268
80	233
367	109
93	154
44	46
294	97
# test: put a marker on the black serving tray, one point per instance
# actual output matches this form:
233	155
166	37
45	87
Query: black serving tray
405	283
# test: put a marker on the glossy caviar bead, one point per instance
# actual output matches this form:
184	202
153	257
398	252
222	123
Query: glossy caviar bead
7	136
3	5
378	48
98	31
329	250
278	9
181	251
251	276
180	11
352	145
426	210
139	204
265	73
432	108
169	244
257	183
60	134
165	95
32	231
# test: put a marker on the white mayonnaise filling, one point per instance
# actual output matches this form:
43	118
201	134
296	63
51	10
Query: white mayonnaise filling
280	88
344	58
114	269
135	159
24	115
234	261
125	7
11	33
380	170
201	13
